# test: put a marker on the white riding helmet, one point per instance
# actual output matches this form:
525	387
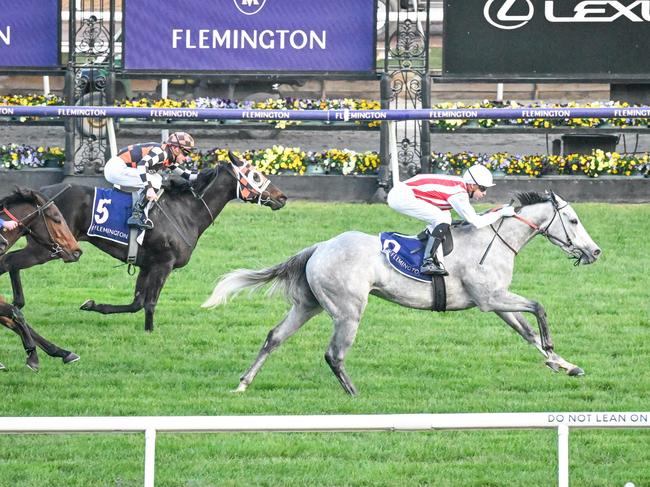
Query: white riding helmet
478	174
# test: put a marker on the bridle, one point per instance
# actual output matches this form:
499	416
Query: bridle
24	224
247	188
568	243
53	245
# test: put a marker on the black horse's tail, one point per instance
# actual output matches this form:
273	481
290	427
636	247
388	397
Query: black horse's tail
288	276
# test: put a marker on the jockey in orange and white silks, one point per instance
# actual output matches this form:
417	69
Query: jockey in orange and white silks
139	166
430	197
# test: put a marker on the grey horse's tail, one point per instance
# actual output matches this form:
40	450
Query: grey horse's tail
288	276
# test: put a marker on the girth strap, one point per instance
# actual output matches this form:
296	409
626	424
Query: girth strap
439	293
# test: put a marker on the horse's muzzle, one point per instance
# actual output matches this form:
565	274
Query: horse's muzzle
278	202
589	256
71	256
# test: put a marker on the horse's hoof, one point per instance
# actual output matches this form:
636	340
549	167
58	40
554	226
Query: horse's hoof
240	388
554	366
70	358
88	305
32	366
576	372
3	368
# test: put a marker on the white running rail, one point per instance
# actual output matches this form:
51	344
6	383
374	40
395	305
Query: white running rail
150	425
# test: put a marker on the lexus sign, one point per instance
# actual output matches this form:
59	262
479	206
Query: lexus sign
603	40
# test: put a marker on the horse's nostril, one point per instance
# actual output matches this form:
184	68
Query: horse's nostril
597	252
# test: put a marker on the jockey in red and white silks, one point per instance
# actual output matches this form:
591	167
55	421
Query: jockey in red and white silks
430	197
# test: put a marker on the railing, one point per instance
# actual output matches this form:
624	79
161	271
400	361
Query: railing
338	115
150	425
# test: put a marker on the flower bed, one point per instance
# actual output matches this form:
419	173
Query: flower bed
292	160
272	160
594	165
13	156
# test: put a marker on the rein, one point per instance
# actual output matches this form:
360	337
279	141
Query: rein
174	224
537	231
200	196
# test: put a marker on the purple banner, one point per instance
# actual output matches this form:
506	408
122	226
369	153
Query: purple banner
250	35
339	115
29	33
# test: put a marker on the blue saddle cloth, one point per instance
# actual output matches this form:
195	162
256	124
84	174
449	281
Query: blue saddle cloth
404	253
111	209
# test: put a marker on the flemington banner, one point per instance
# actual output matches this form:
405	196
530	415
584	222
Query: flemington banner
29	34
250	35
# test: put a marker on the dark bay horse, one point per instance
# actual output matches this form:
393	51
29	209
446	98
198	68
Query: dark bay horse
41	222
337	276
181	216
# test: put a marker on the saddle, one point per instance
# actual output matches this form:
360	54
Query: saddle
405	254
111	209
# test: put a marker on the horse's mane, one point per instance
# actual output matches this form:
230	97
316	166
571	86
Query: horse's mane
532	197
23	195
176	185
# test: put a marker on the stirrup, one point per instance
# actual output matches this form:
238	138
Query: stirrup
140	223
431	268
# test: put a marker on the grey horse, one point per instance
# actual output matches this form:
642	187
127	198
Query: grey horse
338	275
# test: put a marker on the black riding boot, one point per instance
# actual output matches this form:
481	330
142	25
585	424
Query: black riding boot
430	265
137	218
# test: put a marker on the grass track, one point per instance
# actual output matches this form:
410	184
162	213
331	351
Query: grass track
404	361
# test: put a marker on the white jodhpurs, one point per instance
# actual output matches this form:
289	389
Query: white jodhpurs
402	200
117	172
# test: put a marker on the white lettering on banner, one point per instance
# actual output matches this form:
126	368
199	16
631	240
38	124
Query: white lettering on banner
632	112
546	113
5	36
349	115
596	11
6	111
586	11
368	116
455	114
265	115
254	39
81	112
173	113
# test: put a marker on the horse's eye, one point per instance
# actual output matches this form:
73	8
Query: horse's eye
256	177
573	221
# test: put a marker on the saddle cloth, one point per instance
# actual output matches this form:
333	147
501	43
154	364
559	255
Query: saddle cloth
111	210
404	253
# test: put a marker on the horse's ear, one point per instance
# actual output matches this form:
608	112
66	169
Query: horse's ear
28	194
235	160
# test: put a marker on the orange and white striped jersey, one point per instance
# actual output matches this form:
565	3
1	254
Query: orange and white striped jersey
436	189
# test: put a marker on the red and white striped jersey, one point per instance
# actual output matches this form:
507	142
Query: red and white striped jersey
436	189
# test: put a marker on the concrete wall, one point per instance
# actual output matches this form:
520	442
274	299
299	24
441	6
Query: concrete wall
610	189
30	178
